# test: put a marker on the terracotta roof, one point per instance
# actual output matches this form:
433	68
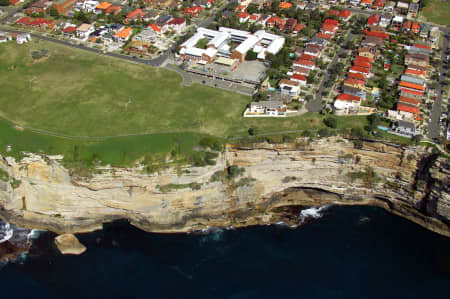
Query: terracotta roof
285	5
333	13
23	20
351	82
373	19
415	92
124	33
422	46
69	29
348	97
243	15
409	100
307	57
345	13
331	22
299	27
104	5
155	27
304	62
363	58
411	85
177	21
415	72
289	82
358	76
324	35
298	77
361	63
407	108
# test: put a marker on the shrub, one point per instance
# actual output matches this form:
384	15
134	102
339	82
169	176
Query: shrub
330	122
234	171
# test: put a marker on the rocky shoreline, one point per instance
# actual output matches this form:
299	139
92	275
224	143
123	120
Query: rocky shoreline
258	184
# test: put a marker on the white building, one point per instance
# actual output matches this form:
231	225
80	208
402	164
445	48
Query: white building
84	30
267	109
23	38
261	42
89	6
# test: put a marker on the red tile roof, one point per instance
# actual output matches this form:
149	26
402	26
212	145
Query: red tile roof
422	46
345	14
298	77
353	82
411	71
348	97
411	85
23	21
155	27
324	35
409	100
243	15
299	27
305	62
177	21
406	108
361	63
415	92
307	57
363	58
373	19
358	76
331	22
69	29
333	12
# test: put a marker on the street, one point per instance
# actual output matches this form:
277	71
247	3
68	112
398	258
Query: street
434	127
316	104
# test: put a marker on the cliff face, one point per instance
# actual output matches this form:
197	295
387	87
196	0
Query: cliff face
271	183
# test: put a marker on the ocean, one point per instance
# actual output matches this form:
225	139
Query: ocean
350	252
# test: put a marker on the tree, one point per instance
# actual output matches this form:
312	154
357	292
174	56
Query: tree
251	131
330	122
251	55
53	12
4	2
416	138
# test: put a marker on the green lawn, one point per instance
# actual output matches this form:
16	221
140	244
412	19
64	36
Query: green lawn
77	93
437	11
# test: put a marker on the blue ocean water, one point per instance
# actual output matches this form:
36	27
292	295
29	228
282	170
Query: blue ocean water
352	252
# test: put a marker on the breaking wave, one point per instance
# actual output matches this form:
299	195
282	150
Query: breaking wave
6	232
313	213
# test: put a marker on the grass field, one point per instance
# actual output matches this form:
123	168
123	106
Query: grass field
77	93
437	11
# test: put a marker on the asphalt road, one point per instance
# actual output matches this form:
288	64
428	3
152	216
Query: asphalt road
316	104
434	127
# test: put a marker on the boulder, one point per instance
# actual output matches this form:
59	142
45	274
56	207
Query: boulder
69	244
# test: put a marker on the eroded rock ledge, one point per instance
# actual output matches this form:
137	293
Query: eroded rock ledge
278	181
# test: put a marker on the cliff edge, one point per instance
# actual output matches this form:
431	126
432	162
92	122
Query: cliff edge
249	185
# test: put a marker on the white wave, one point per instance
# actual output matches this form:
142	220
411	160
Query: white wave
6	232
314	212
34	234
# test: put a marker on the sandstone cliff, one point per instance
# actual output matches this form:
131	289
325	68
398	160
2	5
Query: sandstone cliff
266	184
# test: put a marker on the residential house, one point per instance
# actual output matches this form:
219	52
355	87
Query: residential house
361	70
405	128
285	5
135	15
267	108
397	23
410	101
402	7
38	7
254	18
62	6
123	35
89	6
313	50
417	59
424	31
23	38
360	84
113	10
379	4
415	27
177	24
413	10
290	24
301	70
305	64
406	26
385	20
69	30
416	73
434	37
366	3
202	3
84	30
412	79
193	11
102	7
373	20
345	15
243	17
372	41
390	6
357	76
354	91
347	103
299	78
289	87
368	52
